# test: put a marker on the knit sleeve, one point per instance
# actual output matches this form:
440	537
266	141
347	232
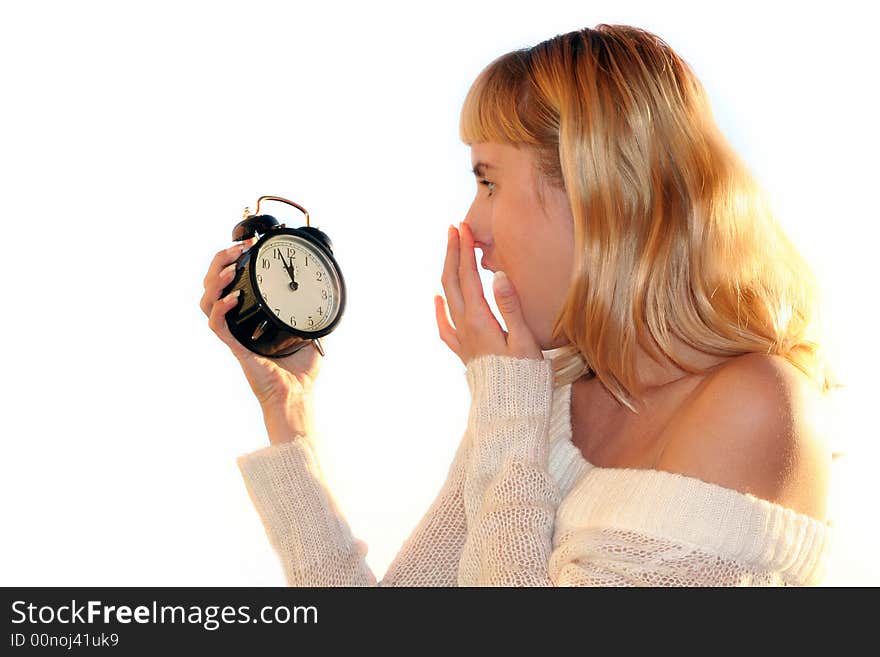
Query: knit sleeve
510	497
313	540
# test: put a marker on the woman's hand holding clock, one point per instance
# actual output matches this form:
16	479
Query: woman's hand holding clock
476	331
283	386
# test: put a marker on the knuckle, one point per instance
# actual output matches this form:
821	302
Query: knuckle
215	316
218	326
474	322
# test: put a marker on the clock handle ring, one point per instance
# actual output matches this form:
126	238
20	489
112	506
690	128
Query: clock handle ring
283	200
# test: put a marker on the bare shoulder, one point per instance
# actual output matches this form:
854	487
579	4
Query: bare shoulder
756	426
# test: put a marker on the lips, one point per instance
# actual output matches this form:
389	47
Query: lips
486	265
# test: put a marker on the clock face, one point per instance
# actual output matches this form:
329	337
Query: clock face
298	284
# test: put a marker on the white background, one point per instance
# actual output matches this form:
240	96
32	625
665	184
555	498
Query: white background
133	135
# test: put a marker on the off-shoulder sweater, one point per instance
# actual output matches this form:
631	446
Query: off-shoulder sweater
521	506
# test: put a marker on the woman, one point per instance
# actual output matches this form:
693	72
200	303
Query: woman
650	415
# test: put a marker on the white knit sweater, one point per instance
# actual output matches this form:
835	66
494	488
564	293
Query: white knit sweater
522	507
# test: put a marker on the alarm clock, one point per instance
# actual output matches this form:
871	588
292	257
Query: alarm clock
292	290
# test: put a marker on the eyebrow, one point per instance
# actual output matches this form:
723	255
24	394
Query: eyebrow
480	168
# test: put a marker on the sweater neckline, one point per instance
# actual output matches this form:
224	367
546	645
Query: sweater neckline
577	469
656	502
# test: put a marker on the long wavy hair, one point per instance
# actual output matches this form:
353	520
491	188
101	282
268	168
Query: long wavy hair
672	234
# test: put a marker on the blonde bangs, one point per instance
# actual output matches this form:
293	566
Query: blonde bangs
491	109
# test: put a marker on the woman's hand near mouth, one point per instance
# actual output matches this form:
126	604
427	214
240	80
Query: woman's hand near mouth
476	331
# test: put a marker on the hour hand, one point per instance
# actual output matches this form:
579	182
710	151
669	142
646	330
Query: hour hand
289	268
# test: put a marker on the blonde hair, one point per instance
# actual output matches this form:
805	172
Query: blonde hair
672	234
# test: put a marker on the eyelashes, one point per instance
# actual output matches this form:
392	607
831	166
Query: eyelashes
488	184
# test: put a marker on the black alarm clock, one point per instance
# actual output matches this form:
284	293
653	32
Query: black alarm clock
292	290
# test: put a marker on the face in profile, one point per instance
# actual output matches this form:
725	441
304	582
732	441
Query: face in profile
531	243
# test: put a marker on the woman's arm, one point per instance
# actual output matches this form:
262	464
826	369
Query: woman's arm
510	496
309	532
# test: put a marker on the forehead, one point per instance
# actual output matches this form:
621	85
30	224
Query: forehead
498	155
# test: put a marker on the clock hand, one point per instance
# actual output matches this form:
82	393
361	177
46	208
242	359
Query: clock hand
293	284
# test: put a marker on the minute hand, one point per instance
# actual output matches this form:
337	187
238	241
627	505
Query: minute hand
289	268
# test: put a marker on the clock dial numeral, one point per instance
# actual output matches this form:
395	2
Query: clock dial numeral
288	302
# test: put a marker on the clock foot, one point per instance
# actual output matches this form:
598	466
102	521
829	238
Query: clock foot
258	331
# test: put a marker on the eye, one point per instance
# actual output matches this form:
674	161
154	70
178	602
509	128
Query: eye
488	184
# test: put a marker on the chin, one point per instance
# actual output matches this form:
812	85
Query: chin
543	333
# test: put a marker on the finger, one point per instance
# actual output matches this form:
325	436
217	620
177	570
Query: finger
447	332
469	276
220	275
508	303
217	323
214	288
450	277
225	257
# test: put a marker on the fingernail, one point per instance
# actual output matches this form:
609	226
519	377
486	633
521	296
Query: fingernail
233	295
500	281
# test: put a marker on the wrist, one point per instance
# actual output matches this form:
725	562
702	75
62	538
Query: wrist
506	387
288	417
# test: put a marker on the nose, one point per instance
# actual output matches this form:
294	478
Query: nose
478	227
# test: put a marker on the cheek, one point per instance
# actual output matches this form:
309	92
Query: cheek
538	264
513	242
524	246
518	257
